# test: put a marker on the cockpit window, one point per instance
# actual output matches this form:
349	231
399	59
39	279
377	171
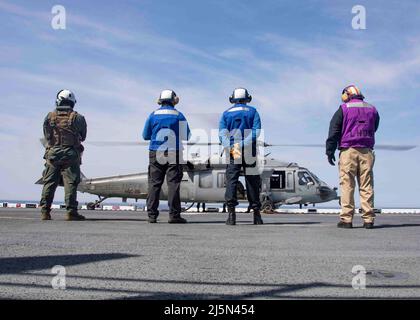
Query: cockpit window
304	178
315	177
278	180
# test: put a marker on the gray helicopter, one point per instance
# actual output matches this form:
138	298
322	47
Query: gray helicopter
282	183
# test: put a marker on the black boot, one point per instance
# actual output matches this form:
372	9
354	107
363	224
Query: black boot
345	225
257	217
176	219
152	219
231	221
368	225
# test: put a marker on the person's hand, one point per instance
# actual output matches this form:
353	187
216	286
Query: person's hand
235	151
331	159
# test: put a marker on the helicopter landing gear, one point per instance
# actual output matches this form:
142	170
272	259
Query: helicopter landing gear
94	205
91	206
267	206
185	208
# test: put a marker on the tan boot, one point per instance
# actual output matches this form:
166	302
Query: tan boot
74	217
45	216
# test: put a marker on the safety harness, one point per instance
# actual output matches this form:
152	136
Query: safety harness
62	131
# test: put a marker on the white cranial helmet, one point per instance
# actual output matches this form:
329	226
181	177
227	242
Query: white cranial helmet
65	95
168	96
240	95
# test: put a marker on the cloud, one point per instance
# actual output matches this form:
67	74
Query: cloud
22	11
80	25
237	53
318	73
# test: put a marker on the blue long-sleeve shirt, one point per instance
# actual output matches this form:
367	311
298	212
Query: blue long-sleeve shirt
239	124
166	126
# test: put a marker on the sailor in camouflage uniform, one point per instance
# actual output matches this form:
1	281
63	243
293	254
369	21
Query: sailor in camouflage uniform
64	130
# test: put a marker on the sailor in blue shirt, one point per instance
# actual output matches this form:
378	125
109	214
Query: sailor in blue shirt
166	128
239	129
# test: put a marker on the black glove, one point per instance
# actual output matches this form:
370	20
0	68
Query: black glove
331	159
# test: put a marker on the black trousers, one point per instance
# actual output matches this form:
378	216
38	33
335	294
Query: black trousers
161	165
253	186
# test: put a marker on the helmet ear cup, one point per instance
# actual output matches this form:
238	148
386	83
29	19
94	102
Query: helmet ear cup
249	98
75	101
345	97
175	99
231	99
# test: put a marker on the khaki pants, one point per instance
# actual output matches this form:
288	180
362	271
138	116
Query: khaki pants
356	163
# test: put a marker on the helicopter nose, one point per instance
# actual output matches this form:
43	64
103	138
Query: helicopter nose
334	193
326	192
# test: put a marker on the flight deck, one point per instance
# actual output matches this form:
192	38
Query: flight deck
119	255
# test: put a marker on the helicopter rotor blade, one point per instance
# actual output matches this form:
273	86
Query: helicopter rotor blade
377	147
395	147
387	147
140	143
203	143
117	143
43	142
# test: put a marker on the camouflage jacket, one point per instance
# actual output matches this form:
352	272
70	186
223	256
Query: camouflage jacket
65	153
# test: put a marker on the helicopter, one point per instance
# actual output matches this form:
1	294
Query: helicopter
204	180
282	183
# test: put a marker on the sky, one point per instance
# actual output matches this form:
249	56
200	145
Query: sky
294	57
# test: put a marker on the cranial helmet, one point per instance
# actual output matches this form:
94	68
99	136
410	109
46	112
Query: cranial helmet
351	92
65	96
168	96
240	95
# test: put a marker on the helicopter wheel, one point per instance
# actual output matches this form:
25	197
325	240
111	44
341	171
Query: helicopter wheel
267	206
186	209
91	206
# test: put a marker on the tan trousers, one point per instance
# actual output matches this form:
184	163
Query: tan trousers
356	163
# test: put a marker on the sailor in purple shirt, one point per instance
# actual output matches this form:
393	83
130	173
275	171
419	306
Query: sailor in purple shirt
352	131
